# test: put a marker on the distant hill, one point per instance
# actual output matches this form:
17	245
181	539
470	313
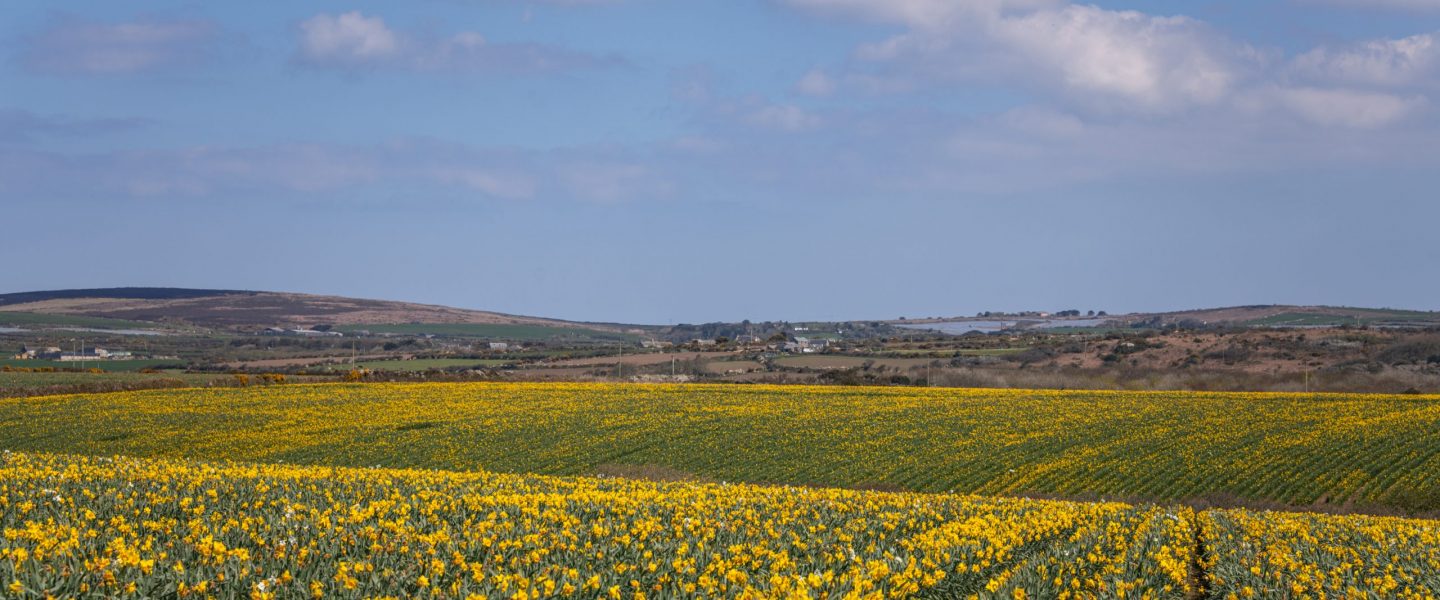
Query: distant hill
132	293
1281	315
244	309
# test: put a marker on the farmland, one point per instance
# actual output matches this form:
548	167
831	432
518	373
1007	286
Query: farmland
1294	449
422	364
517	332
14	383
463	490
108	365
118	527
29	319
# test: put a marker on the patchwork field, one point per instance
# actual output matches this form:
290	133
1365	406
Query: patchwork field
485	490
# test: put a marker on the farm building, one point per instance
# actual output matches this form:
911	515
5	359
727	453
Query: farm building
28	353
88	354
300	332
803	345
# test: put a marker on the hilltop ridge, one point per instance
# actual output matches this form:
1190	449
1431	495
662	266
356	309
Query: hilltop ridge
231	309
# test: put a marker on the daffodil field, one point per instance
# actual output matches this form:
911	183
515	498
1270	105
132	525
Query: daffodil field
1291	448
1299	555
486	490
146	528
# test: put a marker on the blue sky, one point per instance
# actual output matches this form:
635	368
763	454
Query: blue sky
687	161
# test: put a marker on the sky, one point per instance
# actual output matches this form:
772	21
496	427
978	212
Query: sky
704	160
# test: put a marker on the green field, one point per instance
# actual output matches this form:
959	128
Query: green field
1295	449
519	333
1345	316
22	319
107	365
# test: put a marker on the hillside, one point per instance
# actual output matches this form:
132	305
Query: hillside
1281	315
239	309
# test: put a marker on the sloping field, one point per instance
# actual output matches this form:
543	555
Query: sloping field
156	528
1290	448
41	320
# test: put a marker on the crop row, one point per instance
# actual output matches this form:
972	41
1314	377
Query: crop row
117	527
1292	448
122	527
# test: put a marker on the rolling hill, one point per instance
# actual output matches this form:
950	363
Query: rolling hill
243	309
1289	316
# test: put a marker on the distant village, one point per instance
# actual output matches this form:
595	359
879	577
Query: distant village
301	332
797	345
82	354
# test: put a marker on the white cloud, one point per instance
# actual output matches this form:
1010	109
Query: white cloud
922	14
1344	107
1156	63
1114	60
76	46
1390	62
1119	63
815	83
349	38
354	40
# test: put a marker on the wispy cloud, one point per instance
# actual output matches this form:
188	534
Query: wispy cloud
17	125
1378	4
71	45
1404	62
414	167
353	40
